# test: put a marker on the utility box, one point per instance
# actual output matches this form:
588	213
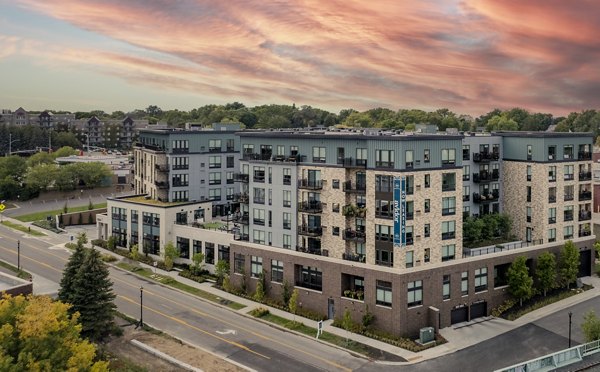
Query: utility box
426	335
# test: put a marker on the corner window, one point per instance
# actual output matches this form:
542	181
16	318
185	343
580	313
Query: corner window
384	293
415	293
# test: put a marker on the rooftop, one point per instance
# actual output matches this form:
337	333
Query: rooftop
146	200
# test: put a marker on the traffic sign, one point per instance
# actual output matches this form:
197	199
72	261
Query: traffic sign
2	207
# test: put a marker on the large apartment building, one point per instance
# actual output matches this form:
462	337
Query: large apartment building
372	219
189	165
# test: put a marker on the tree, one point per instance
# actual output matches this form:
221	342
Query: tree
67	282
591	326
92	174
597	246
520	284
41	176
65	151
65	139
569	264
259	295
111	243
293	303
221	269
347	323
171	253
197	263
546	271
93	297
39	334
13	167
501	122
286	294
40	158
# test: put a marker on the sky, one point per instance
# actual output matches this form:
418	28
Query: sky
470	56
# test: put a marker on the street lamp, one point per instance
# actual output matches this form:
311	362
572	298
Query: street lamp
570	315
228	214
141	323
18	255
10	142
87	136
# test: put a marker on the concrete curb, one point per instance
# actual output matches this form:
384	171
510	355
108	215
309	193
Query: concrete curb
164	356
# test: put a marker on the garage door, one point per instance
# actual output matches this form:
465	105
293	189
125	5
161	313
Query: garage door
585	263
478	310
459	315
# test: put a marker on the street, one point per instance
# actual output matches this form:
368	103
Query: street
226	333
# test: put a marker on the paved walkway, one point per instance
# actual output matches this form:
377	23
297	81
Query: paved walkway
458	336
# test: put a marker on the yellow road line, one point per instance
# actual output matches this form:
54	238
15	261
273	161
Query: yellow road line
293	347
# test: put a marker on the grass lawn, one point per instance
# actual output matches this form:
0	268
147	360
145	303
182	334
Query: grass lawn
351	345
37	216
167	280
19	273
22	228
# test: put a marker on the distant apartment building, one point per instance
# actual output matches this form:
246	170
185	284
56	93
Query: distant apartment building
46	119
108	133
374	218
189	165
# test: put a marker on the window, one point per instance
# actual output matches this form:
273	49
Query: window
255	266
180	162
426	157
384	257
229	177
214	145
464	283
384	293
528	193
183	246
448	156
180	146
287	220
427	205
209	248
446	287
448	182
551	152
287	241
280	151
230	193
309	277
239	261
568	151
361	157
230	162
383	233
529	152
335	231
448	230
409	158
180	196
214	161
448	206
528	210
569	192
258	237
415	293
214	178
384	183
551	235
335	184
427	180
481	279
223	254
384	158
551	215
259	174
568	232
426	230
277	271
335	207
319	155
259	195
568	213
551	173
568	172
466	172
409	259
197	246
287	176
448	252
287	198
258	216
214	194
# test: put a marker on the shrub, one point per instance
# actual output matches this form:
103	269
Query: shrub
70	245
108	258
506	305
259	312
190	275
99	242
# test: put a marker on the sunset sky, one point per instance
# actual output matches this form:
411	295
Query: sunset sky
469	56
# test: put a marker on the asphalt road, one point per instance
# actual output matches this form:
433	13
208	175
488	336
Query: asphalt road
226	333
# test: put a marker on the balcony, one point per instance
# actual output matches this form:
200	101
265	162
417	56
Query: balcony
568	216
161	184
585	215
584	232
569	197
466	198
551	198
241	177
551	220
241	197
161	167
352	163
312	250
354	257
259	177
354	236
585	195
252	156
384	164
180	150
310	230
311	206
448	186
448	235
485	157
310	184
486	198
242	218
357	187
585	176
481	177
214	149
495	174
259	200
241	237
584	155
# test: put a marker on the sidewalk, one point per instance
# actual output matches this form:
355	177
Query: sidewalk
459	336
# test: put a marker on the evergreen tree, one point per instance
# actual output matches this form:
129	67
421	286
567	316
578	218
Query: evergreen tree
520	284
546	271
569	264
93	297
67	283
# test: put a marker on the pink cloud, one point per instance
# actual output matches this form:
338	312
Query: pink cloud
469	56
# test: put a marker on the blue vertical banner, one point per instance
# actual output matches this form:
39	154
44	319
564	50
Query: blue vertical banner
399	211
